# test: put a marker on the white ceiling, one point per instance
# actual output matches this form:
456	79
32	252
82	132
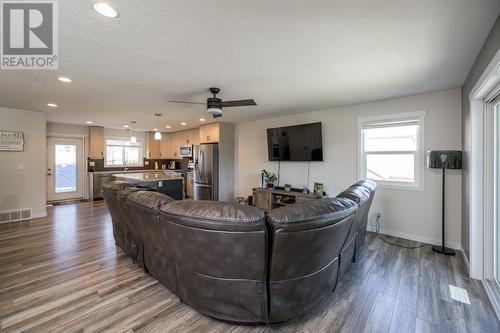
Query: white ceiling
290	56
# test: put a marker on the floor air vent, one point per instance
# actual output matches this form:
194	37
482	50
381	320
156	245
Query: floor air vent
15	215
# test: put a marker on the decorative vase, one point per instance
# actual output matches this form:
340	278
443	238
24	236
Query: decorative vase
270	185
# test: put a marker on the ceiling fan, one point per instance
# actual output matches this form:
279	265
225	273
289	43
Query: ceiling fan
215	104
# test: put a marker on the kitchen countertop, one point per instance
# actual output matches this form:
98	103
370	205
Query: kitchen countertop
136	171
145	176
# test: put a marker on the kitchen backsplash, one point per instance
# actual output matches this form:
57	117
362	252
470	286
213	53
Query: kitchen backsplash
99	164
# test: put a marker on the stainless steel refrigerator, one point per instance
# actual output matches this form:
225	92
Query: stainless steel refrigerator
206	172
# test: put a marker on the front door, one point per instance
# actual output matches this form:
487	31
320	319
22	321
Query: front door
64	168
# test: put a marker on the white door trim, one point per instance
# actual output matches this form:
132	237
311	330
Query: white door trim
478	168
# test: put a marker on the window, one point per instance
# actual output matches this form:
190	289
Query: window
391	150
121	151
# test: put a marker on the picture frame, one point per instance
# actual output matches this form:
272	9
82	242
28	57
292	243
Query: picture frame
11	141
318	188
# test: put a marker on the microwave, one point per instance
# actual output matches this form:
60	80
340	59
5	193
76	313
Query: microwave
186	151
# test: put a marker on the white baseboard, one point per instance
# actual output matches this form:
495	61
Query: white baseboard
416	238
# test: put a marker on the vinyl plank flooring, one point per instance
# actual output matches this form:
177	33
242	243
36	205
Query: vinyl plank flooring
63	273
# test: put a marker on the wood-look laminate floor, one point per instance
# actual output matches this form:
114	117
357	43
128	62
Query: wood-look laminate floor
63	273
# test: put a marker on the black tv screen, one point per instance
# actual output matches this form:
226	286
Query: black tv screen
295	143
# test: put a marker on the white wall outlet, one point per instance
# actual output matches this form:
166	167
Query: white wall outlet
146	162
92	163
160	183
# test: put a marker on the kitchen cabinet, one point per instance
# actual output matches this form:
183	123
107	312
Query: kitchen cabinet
96	142
190	137
190	184
153	146
209	133
174	145
164	145
178	139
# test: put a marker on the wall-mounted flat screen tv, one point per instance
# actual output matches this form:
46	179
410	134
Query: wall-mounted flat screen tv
295	143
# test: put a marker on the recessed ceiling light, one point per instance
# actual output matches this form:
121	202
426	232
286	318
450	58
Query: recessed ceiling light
183	124
168	126
105	9
52	105
202	119
65	79
88	122
126	126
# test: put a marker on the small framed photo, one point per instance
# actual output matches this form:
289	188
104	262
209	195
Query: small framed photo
318	189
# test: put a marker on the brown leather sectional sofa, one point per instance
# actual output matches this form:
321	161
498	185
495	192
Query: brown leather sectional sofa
234	263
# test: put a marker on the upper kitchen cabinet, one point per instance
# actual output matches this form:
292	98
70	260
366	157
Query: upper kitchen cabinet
174	144
96	142
194	137
153	146
209	133
164	145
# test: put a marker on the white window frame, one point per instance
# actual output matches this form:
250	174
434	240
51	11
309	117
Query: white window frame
140	145
418	184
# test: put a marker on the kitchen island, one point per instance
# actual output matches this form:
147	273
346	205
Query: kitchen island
158	181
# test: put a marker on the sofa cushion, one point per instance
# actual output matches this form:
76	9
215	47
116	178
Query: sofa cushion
214	210
149	199
357	193
369	184
326	208
115	185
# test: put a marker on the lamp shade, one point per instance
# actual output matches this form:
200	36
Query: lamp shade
447	159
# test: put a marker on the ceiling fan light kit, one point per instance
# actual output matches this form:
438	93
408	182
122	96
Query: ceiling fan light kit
215	104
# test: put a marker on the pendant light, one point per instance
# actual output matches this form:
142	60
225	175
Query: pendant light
157	133
133	139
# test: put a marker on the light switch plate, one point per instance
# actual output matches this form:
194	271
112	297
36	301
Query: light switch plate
160	183
146	162
459	294
20	166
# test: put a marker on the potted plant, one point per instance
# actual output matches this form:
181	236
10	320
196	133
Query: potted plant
270	178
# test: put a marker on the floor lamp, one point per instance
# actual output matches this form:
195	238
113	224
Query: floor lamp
444	159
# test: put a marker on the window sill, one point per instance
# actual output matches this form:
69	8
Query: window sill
399	187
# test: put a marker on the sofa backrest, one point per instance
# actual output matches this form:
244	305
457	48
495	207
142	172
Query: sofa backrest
220	253
143	216
362	193
306	241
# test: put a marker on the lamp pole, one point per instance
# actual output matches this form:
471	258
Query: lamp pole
443	249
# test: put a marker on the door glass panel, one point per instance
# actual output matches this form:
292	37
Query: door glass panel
65	164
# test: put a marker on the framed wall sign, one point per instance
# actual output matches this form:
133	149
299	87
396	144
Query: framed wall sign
11	141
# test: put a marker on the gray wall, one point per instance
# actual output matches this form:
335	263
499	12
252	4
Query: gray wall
23	174
402	211
489	49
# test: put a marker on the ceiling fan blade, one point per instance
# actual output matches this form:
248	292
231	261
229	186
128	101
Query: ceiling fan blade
216	115
182	102
241	102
